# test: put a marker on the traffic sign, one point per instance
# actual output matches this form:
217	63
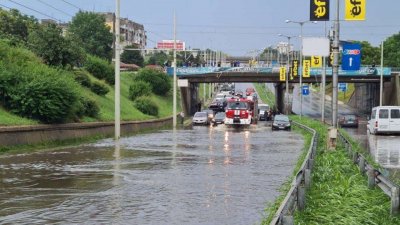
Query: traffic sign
342	87
306	90
351	57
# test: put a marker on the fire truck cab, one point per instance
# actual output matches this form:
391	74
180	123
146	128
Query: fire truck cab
240	111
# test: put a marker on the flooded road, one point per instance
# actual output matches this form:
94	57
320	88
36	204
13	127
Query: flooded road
204	175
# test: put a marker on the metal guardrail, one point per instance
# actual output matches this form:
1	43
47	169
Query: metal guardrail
295	198
375	177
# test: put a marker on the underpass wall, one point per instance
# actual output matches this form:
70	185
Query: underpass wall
365	97
27	135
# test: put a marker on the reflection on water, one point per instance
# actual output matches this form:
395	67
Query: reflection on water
385	150
206	175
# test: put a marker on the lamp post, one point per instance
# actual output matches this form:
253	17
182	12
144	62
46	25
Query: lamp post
301	23
117	106
174	86
381	80
287	71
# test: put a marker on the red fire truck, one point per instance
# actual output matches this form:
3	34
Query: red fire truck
241	111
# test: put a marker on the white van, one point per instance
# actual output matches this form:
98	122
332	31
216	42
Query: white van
384	119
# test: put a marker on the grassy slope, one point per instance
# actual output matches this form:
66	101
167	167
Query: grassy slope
106	103
339	193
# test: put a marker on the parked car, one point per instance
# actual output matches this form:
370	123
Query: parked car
281	122
200	118
264	112
384	119
348	120
219	118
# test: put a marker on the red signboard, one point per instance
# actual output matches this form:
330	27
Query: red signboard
170	45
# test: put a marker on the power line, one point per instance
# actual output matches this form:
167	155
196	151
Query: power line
27	7
55	8
5	6
72	5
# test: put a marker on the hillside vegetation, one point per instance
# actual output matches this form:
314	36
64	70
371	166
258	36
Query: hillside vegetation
32	92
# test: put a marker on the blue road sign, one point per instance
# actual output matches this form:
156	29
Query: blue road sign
351	57
342	87
305	90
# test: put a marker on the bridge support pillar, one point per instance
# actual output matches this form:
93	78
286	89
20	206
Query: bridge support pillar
279	97
190	98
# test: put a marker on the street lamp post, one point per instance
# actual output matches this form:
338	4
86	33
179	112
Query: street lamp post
287	72
117	106
301	23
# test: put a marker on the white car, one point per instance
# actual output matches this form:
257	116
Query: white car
384	119
200	118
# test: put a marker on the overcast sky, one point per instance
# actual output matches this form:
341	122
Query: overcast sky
233	26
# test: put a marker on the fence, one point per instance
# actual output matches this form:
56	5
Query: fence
295	198
375	177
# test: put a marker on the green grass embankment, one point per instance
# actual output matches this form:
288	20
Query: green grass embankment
106	103
339	193
265	95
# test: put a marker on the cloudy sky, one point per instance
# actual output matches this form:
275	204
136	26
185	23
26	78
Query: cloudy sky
233	26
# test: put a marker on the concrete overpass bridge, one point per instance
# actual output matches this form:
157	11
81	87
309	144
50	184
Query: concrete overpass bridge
367	80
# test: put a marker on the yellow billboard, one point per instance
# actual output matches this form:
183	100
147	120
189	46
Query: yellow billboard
316	61
282	73
306	68
354	10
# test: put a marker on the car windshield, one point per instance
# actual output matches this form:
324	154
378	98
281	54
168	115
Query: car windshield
237	105
263	107
281	118
200	114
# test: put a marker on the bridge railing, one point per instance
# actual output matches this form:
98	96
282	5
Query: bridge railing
295	198
375	177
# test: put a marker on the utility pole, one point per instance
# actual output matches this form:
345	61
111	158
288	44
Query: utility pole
323	84
335	68
381	83
175	67
117	112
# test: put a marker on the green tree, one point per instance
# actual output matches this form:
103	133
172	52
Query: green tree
48	43
158	58
90	30
391	51
132	57
370	55
15	26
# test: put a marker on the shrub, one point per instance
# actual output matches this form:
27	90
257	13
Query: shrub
139	88
146	105
159	81
100	68
99	88
82	77
50	99
88	107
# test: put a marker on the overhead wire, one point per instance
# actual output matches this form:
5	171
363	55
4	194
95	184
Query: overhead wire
71	4
4	6
27	7
59	10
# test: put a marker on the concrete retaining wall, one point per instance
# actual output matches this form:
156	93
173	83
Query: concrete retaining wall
21	135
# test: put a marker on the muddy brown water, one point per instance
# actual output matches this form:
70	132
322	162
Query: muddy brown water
203	175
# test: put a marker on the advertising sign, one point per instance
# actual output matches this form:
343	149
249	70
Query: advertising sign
282	73
315	46
295	68
306	68
354	10
351	56
319	10
316	61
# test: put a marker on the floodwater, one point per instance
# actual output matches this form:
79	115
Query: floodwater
203	175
